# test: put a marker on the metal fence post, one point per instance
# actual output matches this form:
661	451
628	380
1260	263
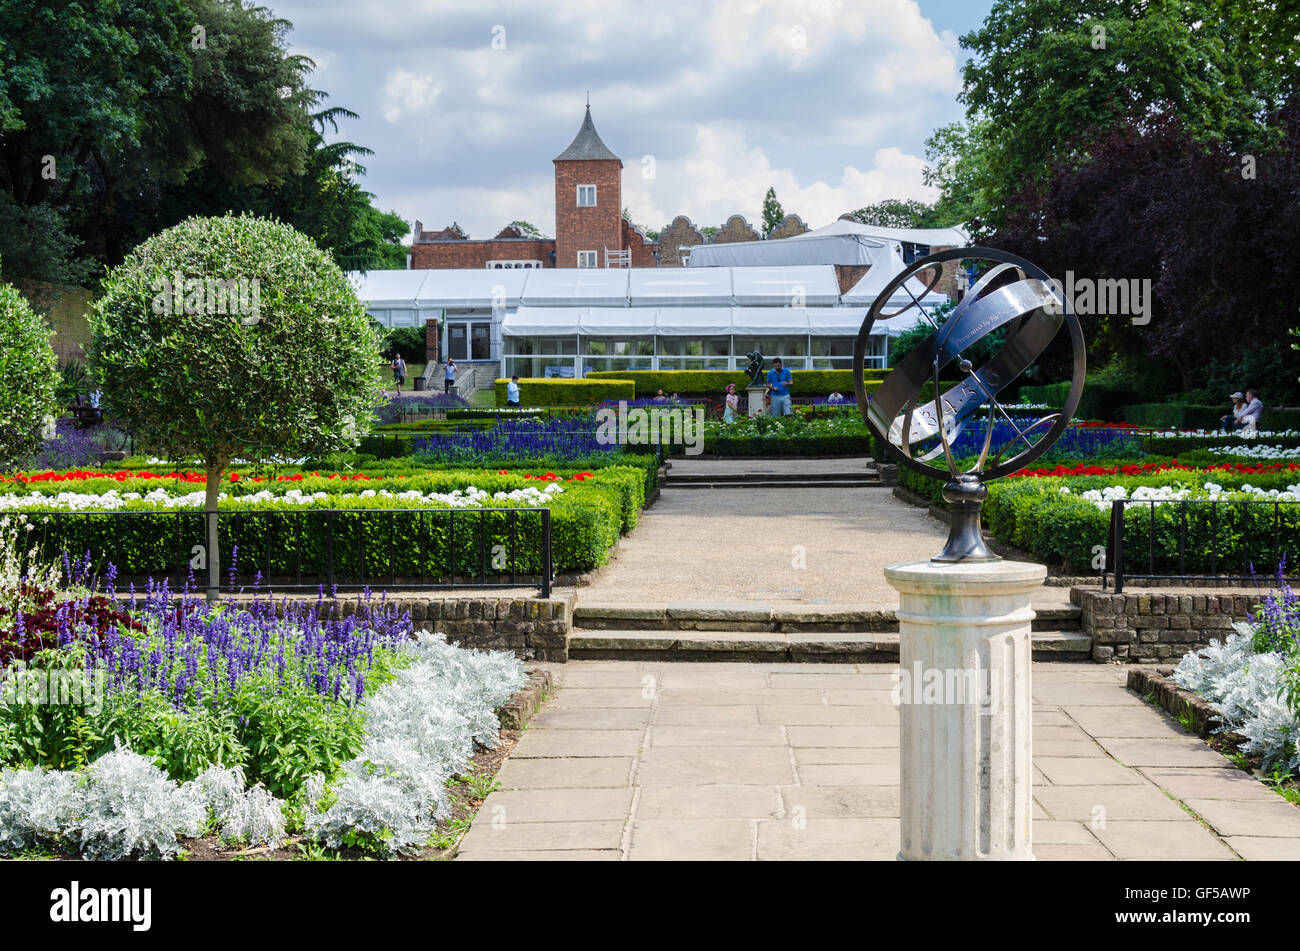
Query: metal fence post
1116	554
546	553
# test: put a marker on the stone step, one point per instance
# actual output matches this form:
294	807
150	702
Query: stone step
845	483
771	476
824	647
760	616
774	480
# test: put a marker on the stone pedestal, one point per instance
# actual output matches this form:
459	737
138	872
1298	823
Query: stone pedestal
756	400
965	709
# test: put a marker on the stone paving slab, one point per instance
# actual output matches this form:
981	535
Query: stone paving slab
708	802
1175	751
569	743
740	762
1161	841
690	840
828	840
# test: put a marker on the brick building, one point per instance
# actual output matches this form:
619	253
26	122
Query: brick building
590	230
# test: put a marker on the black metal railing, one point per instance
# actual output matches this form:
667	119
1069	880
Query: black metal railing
303	549
1238	541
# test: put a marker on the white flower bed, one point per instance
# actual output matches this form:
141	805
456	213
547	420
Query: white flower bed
113	499
420	730
1211	491
1246	689
1258	452
1246	435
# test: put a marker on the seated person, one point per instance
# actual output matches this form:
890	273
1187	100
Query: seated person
1233	420
1253	411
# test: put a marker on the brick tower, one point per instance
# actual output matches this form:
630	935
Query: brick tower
588	200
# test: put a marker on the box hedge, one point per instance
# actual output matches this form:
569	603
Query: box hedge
586	520
537	391
1062	529
1185	416
714	382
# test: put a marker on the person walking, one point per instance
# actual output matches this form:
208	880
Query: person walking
732	402
399	372
449	376
512	391
778	384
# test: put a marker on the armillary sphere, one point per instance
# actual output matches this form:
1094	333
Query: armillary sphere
1010	293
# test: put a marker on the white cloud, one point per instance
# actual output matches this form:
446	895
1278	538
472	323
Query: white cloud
830	101
724	175
405	93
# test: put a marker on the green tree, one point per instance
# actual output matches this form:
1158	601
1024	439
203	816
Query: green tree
100	104
295	370
958	157
29	374
899	213
773	214
529	230
324	201
1044	71
120	119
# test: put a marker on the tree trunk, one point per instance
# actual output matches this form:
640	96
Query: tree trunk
210	518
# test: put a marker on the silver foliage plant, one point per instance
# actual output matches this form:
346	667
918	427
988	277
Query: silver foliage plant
36	806
1247	691
251	816
128	808
123	806
421	729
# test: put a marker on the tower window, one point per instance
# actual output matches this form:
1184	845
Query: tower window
587	259
586	196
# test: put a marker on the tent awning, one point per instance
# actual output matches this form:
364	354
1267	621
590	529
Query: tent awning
618	321
693	322
541	322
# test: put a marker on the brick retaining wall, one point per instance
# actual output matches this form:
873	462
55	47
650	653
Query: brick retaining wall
1144	627
533	628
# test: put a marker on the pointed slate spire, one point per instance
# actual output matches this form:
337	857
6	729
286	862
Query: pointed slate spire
587	145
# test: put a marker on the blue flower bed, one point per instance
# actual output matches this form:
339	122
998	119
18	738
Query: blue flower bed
1077	442
516	440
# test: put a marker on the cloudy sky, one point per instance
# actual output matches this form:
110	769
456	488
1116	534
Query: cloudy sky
465	102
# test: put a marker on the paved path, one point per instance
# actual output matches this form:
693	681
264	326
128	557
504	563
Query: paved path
812	545
740	762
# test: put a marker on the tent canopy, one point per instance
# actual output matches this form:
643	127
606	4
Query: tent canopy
834	244
686	321
680	285
812	286
592	287
865	292
840	242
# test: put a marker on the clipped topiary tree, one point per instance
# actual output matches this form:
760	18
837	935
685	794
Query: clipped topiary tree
235	337
29	376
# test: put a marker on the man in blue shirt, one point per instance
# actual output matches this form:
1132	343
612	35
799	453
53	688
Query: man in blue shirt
512	391
778	386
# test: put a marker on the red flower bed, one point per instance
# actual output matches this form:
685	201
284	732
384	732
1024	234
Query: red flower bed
81	475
